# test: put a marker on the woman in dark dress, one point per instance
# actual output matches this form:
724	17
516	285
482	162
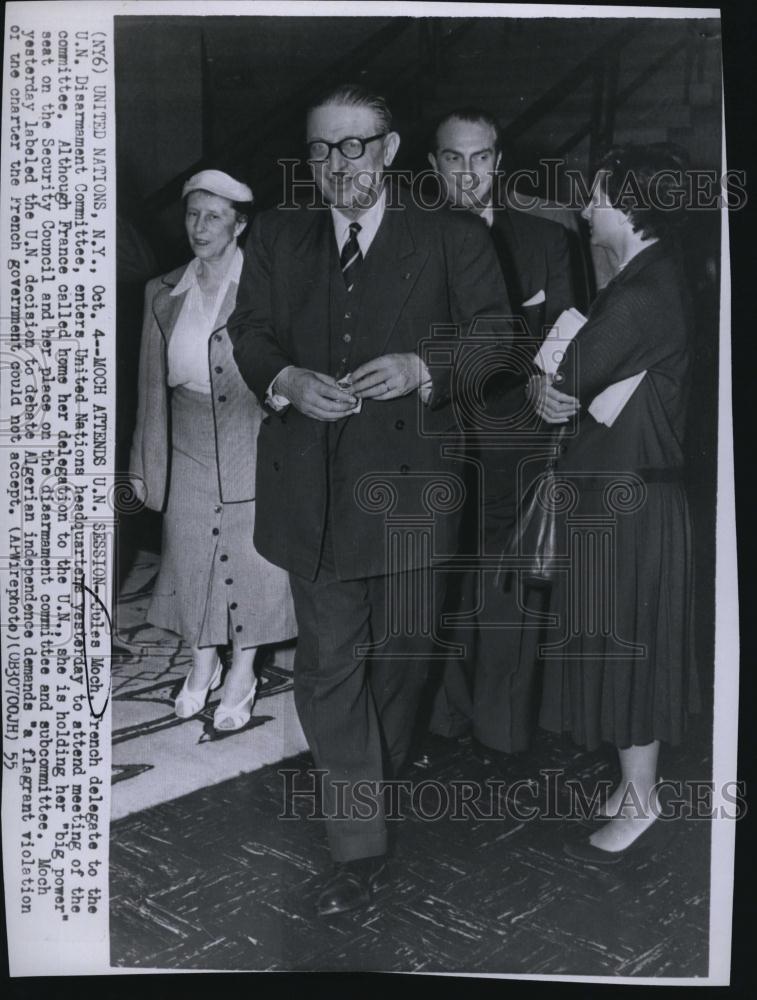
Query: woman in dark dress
621	670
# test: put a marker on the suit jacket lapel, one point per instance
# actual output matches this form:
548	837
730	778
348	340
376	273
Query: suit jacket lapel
507	245
395	264
309	286
226	308
166	307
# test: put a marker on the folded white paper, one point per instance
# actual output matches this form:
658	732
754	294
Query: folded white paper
607	406
536	300
346	383
553	348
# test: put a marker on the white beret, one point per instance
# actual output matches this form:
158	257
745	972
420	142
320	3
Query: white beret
217	182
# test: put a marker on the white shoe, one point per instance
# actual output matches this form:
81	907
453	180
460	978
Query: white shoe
188	702
239	715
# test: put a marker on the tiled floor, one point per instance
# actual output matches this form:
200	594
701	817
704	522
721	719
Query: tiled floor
157	757
216	880
206	875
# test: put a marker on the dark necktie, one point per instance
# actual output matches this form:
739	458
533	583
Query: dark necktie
351	257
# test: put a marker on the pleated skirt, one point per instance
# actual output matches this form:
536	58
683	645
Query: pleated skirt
620	668
213	585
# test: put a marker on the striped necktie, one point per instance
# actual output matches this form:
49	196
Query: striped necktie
351	256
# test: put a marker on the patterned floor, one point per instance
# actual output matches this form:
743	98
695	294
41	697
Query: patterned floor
216	880
157	757
206	875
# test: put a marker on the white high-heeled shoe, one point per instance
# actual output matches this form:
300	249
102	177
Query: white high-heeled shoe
189	703
239	714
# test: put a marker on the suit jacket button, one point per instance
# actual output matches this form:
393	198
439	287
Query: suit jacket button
228	581
238	628
400	424
216	336
218	369
276	466
215	531
404	469
233	605
221	399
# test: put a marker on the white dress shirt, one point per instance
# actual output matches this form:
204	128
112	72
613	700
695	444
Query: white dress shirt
188	346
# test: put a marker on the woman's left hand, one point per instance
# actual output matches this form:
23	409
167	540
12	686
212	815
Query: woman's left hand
553	406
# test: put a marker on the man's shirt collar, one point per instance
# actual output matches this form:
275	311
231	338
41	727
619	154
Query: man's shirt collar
369	221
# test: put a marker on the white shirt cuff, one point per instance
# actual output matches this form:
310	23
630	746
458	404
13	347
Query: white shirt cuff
275	400
426	384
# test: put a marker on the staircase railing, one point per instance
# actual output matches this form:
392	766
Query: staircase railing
417	82
426	67
602	66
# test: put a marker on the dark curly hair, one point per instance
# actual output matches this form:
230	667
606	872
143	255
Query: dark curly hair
647	183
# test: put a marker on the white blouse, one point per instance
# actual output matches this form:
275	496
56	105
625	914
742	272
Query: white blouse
188	346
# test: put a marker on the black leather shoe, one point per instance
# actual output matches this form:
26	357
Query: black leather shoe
351	887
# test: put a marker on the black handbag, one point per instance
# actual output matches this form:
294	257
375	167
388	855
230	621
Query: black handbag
534	537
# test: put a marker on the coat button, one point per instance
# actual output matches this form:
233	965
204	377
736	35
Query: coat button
347	338
559	377
348	315
238	628
221	399
217	336
217	509
228	581
224	558
215	531
218	369
233	605
276	466
404	469
400	424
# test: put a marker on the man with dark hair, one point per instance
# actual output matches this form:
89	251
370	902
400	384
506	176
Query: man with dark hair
487	694
533	252
334	306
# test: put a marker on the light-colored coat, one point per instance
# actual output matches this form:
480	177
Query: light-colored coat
236	413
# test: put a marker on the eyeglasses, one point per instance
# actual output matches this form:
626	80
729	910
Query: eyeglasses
351	148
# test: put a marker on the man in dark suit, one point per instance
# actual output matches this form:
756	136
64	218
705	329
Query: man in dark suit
335	303
485	695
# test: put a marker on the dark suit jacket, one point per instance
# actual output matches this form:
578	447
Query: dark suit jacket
534	257
640	321
427	269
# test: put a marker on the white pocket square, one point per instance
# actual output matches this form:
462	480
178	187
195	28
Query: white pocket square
537	299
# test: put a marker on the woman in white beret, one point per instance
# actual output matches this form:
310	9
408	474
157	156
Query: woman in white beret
193	457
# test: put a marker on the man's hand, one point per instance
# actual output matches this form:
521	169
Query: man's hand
388	377
313	394
553	406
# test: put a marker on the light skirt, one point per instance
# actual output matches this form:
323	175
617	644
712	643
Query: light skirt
213	585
